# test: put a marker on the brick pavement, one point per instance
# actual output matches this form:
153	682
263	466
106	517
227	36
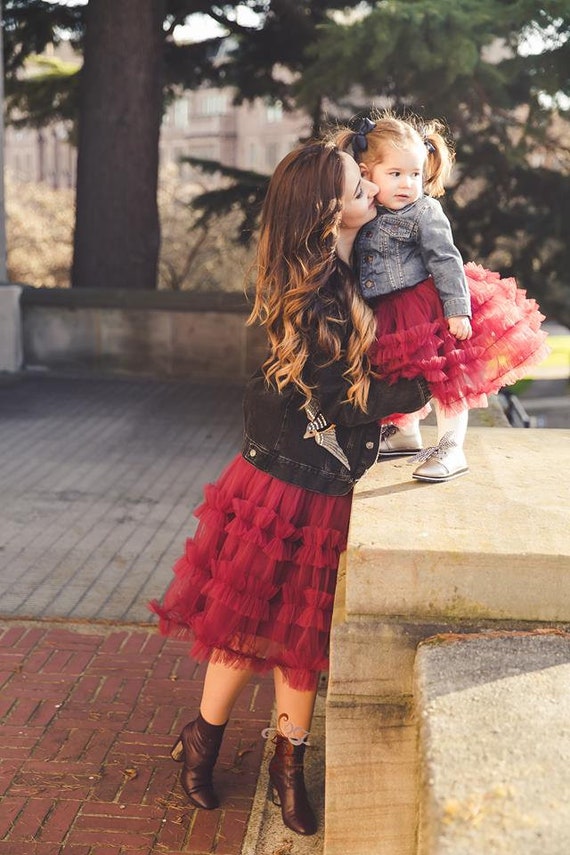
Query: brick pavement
88	714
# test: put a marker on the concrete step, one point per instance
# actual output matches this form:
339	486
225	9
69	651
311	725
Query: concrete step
494	713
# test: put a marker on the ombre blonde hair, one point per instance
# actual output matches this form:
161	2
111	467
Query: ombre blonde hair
305	297
387	130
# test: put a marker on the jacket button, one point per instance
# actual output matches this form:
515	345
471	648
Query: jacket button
252	452
369	445
369	283
368	258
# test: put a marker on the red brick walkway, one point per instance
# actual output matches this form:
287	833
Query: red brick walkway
88	715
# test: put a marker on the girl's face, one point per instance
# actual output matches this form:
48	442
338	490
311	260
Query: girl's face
399	176
358	205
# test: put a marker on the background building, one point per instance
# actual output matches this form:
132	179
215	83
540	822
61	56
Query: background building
203	123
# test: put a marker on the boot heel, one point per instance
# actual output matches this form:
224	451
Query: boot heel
177	752
275	796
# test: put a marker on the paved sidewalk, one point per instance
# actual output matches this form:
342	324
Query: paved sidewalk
98	479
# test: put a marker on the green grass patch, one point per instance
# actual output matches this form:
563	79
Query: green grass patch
521	386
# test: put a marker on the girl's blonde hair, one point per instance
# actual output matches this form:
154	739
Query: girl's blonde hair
369	143
306	298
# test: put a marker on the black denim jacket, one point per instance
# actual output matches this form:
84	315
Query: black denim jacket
328	453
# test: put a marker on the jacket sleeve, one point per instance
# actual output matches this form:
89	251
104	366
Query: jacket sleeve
443	260
384	399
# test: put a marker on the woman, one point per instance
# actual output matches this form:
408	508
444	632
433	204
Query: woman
255	587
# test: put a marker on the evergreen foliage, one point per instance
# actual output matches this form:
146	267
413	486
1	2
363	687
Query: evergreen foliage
242	194
496	71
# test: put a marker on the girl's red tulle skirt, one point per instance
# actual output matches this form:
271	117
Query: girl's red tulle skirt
255	586
413	340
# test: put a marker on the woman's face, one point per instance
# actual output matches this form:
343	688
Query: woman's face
358	205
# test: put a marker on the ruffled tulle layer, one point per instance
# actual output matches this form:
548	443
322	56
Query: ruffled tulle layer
255	586
413	340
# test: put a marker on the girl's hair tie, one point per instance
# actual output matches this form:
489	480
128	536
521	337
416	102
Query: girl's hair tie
430	146
359	142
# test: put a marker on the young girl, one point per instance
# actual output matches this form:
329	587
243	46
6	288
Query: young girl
255	587
466	330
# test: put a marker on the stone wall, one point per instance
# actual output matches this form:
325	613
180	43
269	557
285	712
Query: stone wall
11	355
155	333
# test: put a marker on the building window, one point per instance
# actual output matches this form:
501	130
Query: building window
181	113
214	104
274	112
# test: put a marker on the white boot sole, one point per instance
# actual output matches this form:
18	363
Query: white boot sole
438	479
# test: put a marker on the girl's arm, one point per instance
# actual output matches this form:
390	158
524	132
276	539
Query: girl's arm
443	260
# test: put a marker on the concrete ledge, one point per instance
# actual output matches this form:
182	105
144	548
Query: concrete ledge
490	545
495	737
181	301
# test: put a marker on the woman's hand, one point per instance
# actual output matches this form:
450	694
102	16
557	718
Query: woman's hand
460	327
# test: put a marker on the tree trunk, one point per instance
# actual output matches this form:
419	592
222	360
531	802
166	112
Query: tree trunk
117	232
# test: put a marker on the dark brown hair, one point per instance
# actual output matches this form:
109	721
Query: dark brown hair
296	263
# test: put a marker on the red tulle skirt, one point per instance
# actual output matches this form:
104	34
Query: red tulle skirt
413	340
255	586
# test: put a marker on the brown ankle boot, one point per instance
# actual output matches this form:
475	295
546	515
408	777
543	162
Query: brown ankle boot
197	747
288	782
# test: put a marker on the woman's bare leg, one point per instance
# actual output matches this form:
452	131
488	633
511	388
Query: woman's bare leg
222	687
297	705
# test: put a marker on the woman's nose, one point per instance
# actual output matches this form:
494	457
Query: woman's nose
373	189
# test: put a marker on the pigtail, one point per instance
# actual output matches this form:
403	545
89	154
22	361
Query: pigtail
440	158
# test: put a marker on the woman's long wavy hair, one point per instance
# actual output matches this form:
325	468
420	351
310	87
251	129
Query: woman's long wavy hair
306	298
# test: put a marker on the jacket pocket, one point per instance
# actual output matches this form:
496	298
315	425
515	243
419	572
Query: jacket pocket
397	228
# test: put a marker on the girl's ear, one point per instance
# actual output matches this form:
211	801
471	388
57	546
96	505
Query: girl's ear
364	171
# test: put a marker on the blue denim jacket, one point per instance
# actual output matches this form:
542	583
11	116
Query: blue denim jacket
399	249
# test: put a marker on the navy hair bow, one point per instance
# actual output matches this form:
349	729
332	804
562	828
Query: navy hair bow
360	143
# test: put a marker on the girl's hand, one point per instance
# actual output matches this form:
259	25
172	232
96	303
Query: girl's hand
460	327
